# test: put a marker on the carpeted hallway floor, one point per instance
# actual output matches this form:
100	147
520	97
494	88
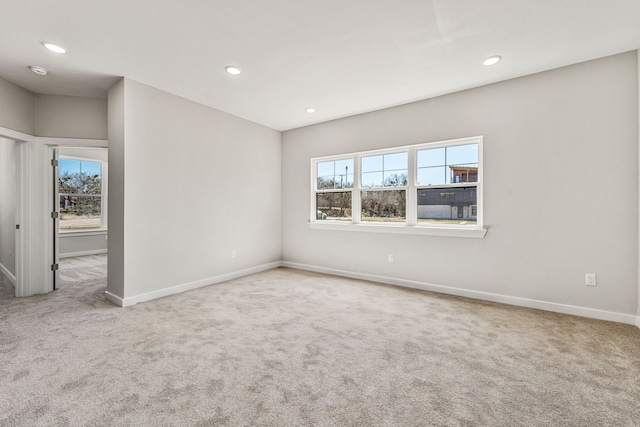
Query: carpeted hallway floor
76	271
293	348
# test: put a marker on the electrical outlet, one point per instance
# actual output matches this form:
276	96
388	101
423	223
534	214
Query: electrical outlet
390	257
233	254
590	279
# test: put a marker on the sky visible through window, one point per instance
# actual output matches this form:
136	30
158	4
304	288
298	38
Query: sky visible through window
434	163
76	166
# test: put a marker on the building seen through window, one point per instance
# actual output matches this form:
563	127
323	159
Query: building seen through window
424	184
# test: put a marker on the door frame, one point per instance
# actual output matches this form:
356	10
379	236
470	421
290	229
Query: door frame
50	241
34	240
22	141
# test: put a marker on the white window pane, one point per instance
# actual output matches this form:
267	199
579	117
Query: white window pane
349	183
384	206
464	173
68	166
342	182
90	168
448	206
344	166
342	172
462	154
325	182
333	206
433	176
325	168
372	164
395	161
432	157
395	178
79	177
372	179
80	212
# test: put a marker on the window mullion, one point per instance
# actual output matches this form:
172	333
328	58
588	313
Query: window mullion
412	196
314	189
356	203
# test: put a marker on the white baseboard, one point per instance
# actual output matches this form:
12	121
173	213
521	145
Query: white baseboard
114	298
486	296
129	301
83	253
7	273
505	299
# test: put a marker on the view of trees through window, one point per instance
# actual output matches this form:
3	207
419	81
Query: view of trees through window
335	206
443	180
386	205
80	193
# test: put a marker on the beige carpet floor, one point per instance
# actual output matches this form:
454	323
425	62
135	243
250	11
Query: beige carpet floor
76	271
7	290
292	348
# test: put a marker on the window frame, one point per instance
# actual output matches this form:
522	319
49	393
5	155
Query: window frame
103	196
411	226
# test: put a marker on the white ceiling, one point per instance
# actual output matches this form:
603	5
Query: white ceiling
342	57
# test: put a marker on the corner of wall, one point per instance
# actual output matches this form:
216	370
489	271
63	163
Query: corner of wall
115	244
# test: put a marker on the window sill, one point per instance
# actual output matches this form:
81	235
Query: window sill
467	232
76	233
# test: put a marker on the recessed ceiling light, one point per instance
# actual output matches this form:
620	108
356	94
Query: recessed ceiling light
233	70
310	110
492	60
38	70
54	47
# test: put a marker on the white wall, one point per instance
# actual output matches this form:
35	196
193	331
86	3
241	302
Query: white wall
563	143
79	244
98	154
17	108
8	200
198	183
71	117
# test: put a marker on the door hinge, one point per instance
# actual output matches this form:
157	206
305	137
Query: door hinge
55	215
17	226
54	162
54	267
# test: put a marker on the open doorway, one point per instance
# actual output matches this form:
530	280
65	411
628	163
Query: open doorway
80	217
8	216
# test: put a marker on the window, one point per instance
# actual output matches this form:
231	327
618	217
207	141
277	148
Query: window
425	186
80	194
447	182
387	172
331	201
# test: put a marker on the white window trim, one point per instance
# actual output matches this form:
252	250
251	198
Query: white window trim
411	226
103	198
93	232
